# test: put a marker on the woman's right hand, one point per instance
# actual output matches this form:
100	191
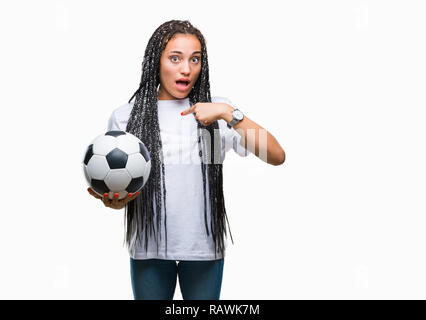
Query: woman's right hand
113	203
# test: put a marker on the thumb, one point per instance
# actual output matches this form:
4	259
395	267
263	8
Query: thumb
93	193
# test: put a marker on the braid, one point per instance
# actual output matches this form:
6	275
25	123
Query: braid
143	123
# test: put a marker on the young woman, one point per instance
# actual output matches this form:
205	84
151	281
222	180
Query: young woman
187	133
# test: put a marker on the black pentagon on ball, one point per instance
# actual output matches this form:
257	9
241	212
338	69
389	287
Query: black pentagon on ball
135	185
117	159
99	186
89	154
144	152
115	133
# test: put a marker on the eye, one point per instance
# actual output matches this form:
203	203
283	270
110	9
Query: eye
171	58
198	59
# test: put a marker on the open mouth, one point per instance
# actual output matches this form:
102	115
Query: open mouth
182	85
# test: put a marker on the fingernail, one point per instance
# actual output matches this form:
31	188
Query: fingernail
181	113
130	194
116	195
106	195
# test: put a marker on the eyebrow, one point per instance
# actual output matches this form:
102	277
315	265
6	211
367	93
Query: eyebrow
181	52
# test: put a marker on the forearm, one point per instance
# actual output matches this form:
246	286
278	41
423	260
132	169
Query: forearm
256	139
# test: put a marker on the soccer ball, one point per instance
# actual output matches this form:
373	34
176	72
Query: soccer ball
116	163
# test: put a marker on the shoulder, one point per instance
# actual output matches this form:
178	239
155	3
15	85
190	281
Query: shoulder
119	117
220	99
123	111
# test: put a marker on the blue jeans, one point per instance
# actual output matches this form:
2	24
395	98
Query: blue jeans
155	279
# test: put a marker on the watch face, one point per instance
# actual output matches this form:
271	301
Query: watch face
238	115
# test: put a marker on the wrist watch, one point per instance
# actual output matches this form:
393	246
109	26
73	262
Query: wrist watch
237	116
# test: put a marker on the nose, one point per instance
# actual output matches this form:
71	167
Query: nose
185	68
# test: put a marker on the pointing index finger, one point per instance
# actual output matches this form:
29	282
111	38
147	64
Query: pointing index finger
190	110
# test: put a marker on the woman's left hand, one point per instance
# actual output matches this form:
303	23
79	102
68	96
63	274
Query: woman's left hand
206	112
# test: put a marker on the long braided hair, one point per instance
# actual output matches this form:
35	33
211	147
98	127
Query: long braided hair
143	123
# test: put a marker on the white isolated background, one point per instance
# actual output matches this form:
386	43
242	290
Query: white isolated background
340	85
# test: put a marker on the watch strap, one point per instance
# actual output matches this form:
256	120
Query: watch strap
234	121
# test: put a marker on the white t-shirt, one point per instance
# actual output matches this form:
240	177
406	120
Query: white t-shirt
186	233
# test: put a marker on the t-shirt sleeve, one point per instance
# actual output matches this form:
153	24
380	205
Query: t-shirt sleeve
236	140
231	139
119	117
112	123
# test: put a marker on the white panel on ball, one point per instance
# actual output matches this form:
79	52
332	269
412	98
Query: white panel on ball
136	165
98	167
128	143
117	180
103	144
86	174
